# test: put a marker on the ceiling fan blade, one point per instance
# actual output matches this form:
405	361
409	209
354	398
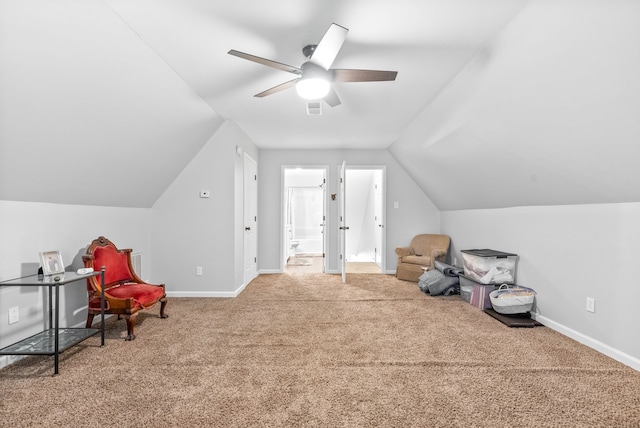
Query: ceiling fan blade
267	62
332	98
329	46
351	75
277	88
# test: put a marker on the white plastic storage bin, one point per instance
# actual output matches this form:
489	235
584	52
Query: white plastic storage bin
489	266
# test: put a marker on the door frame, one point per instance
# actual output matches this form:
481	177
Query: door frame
325	174
250	209
383	237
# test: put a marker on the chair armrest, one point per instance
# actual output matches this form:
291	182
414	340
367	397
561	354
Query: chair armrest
404	251
438	255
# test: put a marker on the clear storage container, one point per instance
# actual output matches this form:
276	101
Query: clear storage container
490	266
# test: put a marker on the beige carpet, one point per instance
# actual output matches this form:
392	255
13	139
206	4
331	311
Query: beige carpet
362	267
306	350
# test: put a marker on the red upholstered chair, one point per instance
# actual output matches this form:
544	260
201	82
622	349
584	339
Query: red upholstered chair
124	292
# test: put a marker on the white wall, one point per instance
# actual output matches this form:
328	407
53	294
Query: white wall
189	231
568	253
27	228
416	213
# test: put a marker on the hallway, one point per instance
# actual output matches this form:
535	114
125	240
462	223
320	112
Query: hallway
313	264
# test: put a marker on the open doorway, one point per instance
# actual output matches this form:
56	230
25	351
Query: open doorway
364	240
304	214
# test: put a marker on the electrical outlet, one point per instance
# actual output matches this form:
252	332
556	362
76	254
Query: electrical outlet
14	315
199	270
591	304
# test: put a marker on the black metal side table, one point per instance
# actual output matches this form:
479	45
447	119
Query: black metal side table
54	340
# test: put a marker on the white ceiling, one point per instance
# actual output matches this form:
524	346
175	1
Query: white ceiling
427	42
535	99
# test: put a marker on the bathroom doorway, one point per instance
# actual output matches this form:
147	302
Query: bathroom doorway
304	219
364	211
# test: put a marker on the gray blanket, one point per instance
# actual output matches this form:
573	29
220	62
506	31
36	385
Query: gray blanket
443	280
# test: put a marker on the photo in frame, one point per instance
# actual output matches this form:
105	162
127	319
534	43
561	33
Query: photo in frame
51	262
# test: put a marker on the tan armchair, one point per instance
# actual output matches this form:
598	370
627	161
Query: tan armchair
423	251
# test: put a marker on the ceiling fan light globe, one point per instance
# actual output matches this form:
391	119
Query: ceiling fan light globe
312	88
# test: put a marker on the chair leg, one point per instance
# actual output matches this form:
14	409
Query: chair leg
131	323
163	304
89	320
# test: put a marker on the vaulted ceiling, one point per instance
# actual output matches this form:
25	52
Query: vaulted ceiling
497	102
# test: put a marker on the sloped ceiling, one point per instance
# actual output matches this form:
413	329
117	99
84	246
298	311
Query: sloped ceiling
547	114
89	114
497	102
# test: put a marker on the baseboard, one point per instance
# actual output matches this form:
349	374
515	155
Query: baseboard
206	293
605	349
270	271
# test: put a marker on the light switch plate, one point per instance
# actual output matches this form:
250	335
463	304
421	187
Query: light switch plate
14	314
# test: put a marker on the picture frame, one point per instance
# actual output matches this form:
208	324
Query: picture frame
51	262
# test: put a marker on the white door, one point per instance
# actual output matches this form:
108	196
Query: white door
323	225
378	216
343	221
250	219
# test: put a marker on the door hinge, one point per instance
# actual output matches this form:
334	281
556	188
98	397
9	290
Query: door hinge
255	260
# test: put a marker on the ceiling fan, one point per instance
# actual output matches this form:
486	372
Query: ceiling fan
314	77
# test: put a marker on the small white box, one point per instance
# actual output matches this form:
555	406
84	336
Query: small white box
489	266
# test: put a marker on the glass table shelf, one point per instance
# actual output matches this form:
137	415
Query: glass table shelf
43	343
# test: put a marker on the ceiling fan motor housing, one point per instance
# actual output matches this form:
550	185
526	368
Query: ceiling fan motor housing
311	70
309	50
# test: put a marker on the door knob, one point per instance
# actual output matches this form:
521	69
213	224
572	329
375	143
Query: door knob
247	228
